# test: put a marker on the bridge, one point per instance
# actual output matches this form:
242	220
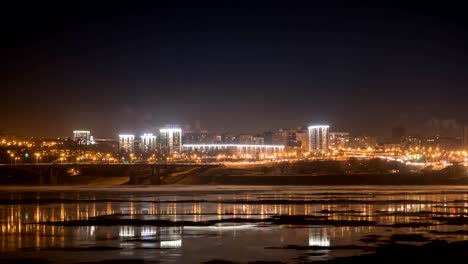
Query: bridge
58	173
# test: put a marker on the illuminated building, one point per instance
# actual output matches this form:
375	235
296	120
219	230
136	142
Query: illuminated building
127	143
363	142
259	141
247	139
286	137
318	138
170	140
200	137
237	149
217	138
251	140
230	139
82	136
412	141
148	142
338	140
302	138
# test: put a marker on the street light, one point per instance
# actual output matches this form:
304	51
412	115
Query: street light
11	157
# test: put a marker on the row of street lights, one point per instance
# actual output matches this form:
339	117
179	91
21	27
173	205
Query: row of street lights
15	159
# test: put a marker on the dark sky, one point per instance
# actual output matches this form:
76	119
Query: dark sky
123	67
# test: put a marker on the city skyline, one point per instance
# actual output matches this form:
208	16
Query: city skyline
432	127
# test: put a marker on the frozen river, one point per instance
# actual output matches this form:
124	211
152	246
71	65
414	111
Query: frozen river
176	224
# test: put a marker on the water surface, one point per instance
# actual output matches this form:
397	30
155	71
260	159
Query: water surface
171	224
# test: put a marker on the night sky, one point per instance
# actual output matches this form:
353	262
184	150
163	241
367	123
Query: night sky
125	67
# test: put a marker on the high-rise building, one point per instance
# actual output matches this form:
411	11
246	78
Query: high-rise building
82	136
302	138
170	140
285	137
148	142
127	143
339	140
217	138
247	139
318	138
230	139
259	140
268	137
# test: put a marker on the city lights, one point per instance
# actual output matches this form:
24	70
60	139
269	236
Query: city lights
173	144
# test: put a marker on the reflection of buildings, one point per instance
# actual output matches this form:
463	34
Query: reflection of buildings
170	140
318	138
127	143
127	231
148	231
18	231
318	237
169	237
171	243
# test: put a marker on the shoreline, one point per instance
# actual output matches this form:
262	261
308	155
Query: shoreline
313	173
225	188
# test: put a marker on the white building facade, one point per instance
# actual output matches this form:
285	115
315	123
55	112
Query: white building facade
127	143
318	138
170	140
148	142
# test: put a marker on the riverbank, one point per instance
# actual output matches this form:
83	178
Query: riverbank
329	172
320	173
365	179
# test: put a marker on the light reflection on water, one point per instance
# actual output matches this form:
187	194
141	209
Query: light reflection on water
246	241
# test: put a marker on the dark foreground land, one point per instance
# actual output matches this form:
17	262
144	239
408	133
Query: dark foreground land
433	252
437	251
